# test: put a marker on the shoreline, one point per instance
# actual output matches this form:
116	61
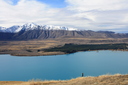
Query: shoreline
66	49
38	47
53	53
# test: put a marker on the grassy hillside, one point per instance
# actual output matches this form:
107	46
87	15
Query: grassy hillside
100	80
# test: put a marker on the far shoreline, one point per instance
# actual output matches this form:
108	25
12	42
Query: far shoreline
66	49
56	53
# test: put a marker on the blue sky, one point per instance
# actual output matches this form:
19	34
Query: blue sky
14	1
81	14
52	3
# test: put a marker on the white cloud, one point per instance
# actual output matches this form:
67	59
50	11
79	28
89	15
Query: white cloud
102	14
85	5
25	11
83	14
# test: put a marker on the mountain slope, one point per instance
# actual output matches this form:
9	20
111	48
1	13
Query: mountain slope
32	31
52	34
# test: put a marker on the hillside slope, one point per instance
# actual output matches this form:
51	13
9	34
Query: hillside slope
32	31
52	34
100	80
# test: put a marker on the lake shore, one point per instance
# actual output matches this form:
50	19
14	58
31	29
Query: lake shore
116	79
24	53
69	48
32	47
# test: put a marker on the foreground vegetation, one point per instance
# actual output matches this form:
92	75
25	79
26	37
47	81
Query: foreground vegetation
72	48
100	80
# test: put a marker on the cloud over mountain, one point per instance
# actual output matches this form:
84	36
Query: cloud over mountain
83	14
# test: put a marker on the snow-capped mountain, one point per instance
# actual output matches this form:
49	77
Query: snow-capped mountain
33	26
29	26
32	31
51	27
14	29
2	29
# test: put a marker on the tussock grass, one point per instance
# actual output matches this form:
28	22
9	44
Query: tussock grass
117	79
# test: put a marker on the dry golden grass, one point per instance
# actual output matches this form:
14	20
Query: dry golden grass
41	44
100	80
20	47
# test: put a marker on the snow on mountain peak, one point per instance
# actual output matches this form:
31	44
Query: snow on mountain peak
15	28
30	25
2	28
33	26
51	27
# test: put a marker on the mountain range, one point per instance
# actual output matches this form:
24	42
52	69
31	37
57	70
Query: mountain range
33	26
32	31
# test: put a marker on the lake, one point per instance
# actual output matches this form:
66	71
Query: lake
63	67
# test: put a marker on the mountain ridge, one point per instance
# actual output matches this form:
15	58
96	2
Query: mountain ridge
31	31
54	34
33	26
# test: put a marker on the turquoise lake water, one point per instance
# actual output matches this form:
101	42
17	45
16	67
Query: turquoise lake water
63	67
